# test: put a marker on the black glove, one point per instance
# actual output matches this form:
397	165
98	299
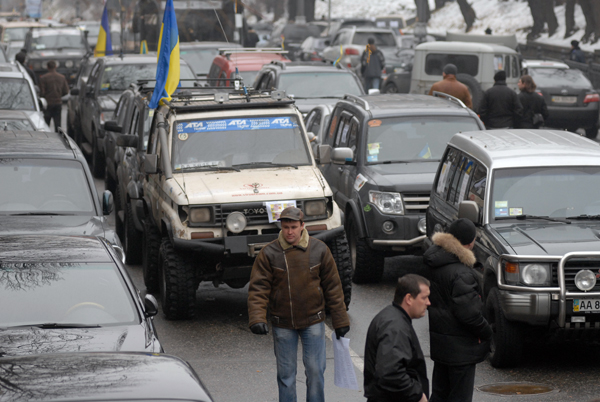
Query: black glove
341	331
259	329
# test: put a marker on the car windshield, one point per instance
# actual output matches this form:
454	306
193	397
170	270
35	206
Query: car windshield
560	192
315	85
384	39
14	34
413	138
63	293
16	94
199	59
556	77
13	124
264	140
118	77
297	33
54	41
45	187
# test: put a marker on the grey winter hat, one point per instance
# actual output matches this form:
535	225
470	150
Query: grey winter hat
450	69
463	229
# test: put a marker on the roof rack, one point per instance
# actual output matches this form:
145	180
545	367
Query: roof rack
450	98
64	135
357	99
231	50
234	99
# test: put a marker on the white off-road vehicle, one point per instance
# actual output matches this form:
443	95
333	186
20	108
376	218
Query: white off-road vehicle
219	169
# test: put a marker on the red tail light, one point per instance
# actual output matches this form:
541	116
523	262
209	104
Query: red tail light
589	98
352	51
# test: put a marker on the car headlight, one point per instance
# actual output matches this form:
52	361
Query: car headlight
315	208
200	215
69	63
535	274
236	222
388	203
585	280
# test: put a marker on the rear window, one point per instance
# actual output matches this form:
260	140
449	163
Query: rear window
381	38
15	94
466	64
558	77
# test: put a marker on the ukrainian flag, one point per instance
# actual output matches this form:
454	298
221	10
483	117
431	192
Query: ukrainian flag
144	47
425	152
167	70
104	45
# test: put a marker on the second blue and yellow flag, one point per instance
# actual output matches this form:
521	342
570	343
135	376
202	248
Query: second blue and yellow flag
104	45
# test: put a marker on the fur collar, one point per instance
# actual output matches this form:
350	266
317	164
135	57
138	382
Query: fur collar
303	241
453	246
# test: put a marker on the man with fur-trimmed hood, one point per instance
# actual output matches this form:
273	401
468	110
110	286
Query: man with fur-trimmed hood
459	333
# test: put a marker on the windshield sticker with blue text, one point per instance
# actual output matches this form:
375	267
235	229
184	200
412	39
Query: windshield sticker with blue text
263	123
501	208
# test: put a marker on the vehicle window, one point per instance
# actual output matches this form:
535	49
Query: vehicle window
152	140
44	41
443	177
318	84
466	64
352	136
567	191
461	181
119	109
119	77
16	94
15	34
507	66
241	142
337	40
458	173
94	71
134	121
13	124
341	136
56	292
149	114
385	39
553	77
44	186
413	138
199	59
515	67
498	63
477	187
314	123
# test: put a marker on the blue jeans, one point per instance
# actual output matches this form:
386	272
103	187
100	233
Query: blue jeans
313	357
372	83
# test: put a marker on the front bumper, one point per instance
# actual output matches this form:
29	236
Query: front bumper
404	236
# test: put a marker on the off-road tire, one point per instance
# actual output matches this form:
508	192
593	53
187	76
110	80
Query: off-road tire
592	132
132	239
150	254
177	283
507	343
367	264
341	254
98	159
474	88
390	88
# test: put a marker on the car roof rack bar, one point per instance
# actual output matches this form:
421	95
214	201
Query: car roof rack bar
64	135
450	98
357	99
231	50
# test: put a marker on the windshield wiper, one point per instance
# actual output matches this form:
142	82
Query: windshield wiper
267	163
404	161
41	214
197	168
50	325
584	217
547	218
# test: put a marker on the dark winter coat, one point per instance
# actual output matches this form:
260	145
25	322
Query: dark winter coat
295	283
373	65
449	85
459	334
500	107
577	55
532	103
394	364
53	86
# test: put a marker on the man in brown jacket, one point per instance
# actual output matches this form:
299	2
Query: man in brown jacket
53	86
295	277
449	85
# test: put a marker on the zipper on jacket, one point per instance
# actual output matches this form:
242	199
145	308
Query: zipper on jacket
289	289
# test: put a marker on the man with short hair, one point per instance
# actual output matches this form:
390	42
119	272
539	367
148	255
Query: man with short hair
53	86
293	278
395	367
20	57
500	106
576	52
449	85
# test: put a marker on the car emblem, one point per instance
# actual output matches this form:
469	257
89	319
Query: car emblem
255	186
564	91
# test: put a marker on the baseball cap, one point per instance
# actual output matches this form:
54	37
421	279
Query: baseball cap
292	213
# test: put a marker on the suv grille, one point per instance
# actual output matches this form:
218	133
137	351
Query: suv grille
572	267
416	203
255	213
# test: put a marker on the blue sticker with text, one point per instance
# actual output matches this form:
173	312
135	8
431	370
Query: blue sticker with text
260	123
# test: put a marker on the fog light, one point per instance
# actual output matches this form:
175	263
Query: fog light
422	226
236	222
585	280
388	226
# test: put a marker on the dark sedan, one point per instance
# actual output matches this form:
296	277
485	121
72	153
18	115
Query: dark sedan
70	294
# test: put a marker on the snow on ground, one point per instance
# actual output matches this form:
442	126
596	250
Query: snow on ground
502	17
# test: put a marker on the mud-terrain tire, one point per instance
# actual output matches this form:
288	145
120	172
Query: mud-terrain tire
474	88
390	88
367	264
150	254
177	283
341	254
506	344
132	239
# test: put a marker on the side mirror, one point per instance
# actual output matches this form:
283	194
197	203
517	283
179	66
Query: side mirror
339	156
74	91
469	210
150	306
324	154
43	104
112	125
127	141
150	163
107	202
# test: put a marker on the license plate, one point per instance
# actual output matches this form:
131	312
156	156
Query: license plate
586	305
564	99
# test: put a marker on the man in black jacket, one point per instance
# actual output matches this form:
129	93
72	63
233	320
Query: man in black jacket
394	363
459	334
500	106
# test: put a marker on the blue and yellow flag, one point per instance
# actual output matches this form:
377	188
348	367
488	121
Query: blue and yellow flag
104	45
144	47
425	152
167	70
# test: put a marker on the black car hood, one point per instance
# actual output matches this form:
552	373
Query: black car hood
57	225
32	340
414	176
550	238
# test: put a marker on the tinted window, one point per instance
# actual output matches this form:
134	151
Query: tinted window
557	77
315	85
14	34
15	94
466	64
119	77
62	41
381	38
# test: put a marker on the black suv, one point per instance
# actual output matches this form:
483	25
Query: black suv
384	151
47	188
309	83
73	117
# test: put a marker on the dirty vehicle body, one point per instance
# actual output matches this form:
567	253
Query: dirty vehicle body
533	197
218	170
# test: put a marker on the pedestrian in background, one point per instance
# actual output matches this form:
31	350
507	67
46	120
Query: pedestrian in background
294	278
395	368
53	86
20	57
500	106
372	63
449	85
459	334
535	111
576	52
